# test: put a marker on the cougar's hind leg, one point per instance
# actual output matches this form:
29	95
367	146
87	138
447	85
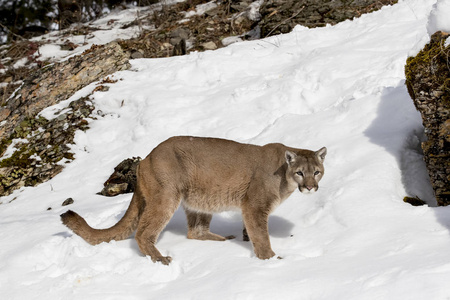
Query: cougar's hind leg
198	227
158	211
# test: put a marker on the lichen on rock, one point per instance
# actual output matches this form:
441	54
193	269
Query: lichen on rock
45	148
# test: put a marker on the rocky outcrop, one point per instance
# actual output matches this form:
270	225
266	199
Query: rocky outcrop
281	16
39	147
185	27
428	82
56	82
42	147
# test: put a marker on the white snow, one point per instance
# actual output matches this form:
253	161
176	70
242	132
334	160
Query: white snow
52	51
12	148
20	63
439	19
339	86
109	28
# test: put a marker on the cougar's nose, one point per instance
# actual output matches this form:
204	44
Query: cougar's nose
309	187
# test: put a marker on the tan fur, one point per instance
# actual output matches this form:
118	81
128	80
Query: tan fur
208	175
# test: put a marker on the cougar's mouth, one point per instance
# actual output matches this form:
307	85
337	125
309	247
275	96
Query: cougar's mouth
308	189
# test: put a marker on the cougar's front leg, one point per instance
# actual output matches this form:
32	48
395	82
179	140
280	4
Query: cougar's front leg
256	224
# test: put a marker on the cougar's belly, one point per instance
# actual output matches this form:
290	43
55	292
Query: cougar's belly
213	200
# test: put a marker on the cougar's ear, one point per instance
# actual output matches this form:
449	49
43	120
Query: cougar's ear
321	153
290	157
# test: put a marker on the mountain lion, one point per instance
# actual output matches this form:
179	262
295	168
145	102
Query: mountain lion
209	175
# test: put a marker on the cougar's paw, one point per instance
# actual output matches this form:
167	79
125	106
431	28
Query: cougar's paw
165	260
230	237
265	253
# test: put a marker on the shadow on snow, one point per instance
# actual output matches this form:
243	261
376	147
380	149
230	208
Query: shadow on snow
396	113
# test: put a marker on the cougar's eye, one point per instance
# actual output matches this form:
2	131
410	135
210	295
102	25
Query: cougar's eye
316	173
299	173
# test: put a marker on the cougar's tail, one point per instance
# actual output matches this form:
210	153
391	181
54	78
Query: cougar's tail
122	230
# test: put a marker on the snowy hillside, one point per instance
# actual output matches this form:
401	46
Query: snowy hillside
341	87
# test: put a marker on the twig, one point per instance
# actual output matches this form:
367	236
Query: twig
284	21
138	16
7	29
269	43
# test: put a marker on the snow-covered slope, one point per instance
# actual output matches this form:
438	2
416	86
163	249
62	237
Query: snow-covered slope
340	87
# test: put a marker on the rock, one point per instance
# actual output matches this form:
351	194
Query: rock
114	189
137	54
209	46
428	82
68	201
182	33
414	201
230	40
68	46
61	117
123	180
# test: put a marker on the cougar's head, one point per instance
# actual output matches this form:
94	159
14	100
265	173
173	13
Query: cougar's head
305	169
